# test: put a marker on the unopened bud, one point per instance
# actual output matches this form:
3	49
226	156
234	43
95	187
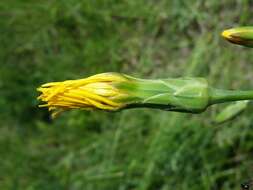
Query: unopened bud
240	35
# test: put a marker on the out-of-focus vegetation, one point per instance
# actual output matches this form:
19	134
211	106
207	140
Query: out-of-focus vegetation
55	40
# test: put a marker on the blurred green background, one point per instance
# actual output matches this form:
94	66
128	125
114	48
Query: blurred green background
56	40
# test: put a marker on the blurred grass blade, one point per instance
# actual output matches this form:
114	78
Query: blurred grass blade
231	111
240	35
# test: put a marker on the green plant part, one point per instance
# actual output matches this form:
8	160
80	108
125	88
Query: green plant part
240	35
231	111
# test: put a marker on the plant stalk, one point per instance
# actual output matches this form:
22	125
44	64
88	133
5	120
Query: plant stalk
220	96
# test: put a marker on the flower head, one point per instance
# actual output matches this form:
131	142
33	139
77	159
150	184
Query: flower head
95	92
240	35
114	91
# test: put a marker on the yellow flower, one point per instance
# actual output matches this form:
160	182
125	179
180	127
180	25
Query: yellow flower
95	92
115	91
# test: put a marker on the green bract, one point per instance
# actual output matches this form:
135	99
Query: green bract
182	94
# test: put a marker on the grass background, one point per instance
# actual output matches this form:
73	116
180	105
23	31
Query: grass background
55	40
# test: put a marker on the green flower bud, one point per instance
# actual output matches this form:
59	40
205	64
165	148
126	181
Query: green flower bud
240	35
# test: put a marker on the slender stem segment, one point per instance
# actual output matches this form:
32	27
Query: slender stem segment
220	96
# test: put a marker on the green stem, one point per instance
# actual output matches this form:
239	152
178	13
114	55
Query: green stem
220	96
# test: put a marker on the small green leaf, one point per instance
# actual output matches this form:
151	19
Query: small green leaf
240	35
231	111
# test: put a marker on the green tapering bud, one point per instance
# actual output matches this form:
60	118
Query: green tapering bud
231	111
240	35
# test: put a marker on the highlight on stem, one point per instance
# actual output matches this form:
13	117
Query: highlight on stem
115	91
